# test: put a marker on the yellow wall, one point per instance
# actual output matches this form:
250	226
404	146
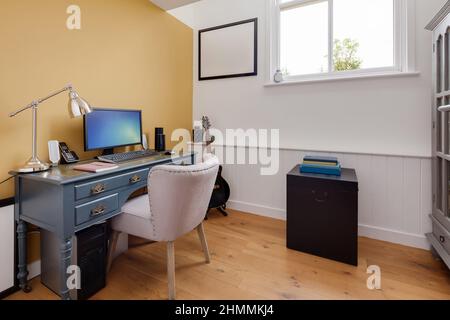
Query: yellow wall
128	54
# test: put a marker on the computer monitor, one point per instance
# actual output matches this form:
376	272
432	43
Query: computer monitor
111	128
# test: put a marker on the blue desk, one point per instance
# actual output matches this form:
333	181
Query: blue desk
65	201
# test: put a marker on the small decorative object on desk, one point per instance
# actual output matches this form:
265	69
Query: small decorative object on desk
321	165
53	152
198	132
95	167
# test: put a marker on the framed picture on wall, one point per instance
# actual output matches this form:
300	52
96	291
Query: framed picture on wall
228	51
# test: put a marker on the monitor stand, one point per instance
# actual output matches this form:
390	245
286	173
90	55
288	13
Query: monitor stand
107	152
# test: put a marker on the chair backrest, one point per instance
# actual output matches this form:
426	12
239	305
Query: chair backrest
179	197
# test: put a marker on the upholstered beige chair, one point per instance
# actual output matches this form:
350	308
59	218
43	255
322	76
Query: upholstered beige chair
177	200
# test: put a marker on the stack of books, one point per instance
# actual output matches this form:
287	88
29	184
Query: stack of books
321	165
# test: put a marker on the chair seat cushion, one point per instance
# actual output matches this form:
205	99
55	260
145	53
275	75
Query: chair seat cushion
135	219
139	207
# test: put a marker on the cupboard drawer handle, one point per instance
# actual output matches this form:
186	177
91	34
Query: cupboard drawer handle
98	211
320	200
441	239
99	188
135	179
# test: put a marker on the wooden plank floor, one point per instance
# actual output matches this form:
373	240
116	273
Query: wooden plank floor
250	261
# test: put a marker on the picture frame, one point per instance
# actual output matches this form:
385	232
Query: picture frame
228	51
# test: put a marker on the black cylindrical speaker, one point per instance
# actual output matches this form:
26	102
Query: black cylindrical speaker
160	140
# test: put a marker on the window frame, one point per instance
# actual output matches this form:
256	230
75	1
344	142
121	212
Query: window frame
404	44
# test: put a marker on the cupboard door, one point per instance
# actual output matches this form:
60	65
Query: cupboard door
441	134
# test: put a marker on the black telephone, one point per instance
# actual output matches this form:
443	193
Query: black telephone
67	155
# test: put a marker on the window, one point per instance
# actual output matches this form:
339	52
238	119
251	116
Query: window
338	38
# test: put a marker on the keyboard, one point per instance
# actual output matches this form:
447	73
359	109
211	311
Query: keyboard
127	156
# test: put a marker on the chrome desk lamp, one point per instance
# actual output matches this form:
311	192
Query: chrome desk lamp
77	108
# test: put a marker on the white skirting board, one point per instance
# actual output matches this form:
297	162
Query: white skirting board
395	197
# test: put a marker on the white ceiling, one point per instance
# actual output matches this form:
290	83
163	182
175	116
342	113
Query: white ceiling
172	4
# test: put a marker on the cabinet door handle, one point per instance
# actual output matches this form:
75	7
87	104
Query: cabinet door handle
99	188
98	211
135	179
441	239
320	200
444	108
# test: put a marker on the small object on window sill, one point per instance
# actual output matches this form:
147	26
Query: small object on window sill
278	77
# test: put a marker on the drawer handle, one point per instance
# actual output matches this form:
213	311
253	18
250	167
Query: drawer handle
135	179
99	188
98	211
441	239
320	200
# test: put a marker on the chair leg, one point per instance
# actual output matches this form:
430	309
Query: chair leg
201	235
112	248
171	269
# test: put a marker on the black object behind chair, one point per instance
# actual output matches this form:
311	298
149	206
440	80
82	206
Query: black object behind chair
220	195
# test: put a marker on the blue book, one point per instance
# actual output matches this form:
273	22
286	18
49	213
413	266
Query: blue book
328	170
321	159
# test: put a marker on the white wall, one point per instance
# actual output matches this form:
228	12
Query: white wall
386	116
376	125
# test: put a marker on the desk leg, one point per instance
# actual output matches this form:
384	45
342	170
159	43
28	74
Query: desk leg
65	253
22	275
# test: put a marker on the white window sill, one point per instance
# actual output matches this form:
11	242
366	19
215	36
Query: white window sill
346	77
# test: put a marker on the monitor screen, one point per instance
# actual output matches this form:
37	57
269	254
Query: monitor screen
110	128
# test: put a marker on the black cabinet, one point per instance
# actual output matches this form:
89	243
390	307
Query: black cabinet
322	215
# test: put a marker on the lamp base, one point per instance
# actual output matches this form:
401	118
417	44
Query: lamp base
33	166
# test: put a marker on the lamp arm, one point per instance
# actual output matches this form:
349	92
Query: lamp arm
35	103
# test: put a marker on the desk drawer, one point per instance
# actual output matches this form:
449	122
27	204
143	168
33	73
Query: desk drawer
104	185
97	208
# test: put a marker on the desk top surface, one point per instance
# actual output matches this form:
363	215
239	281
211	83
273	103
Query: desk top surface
65	174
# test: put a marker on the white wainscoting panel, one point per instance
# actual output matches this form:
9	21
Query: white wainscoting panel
394	193
6	248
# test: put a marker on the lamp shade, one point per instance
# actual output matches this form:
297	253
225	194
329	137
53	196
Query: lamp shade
78	106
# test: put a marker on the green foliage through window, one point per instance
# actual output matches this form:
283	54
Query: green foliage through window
345	55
